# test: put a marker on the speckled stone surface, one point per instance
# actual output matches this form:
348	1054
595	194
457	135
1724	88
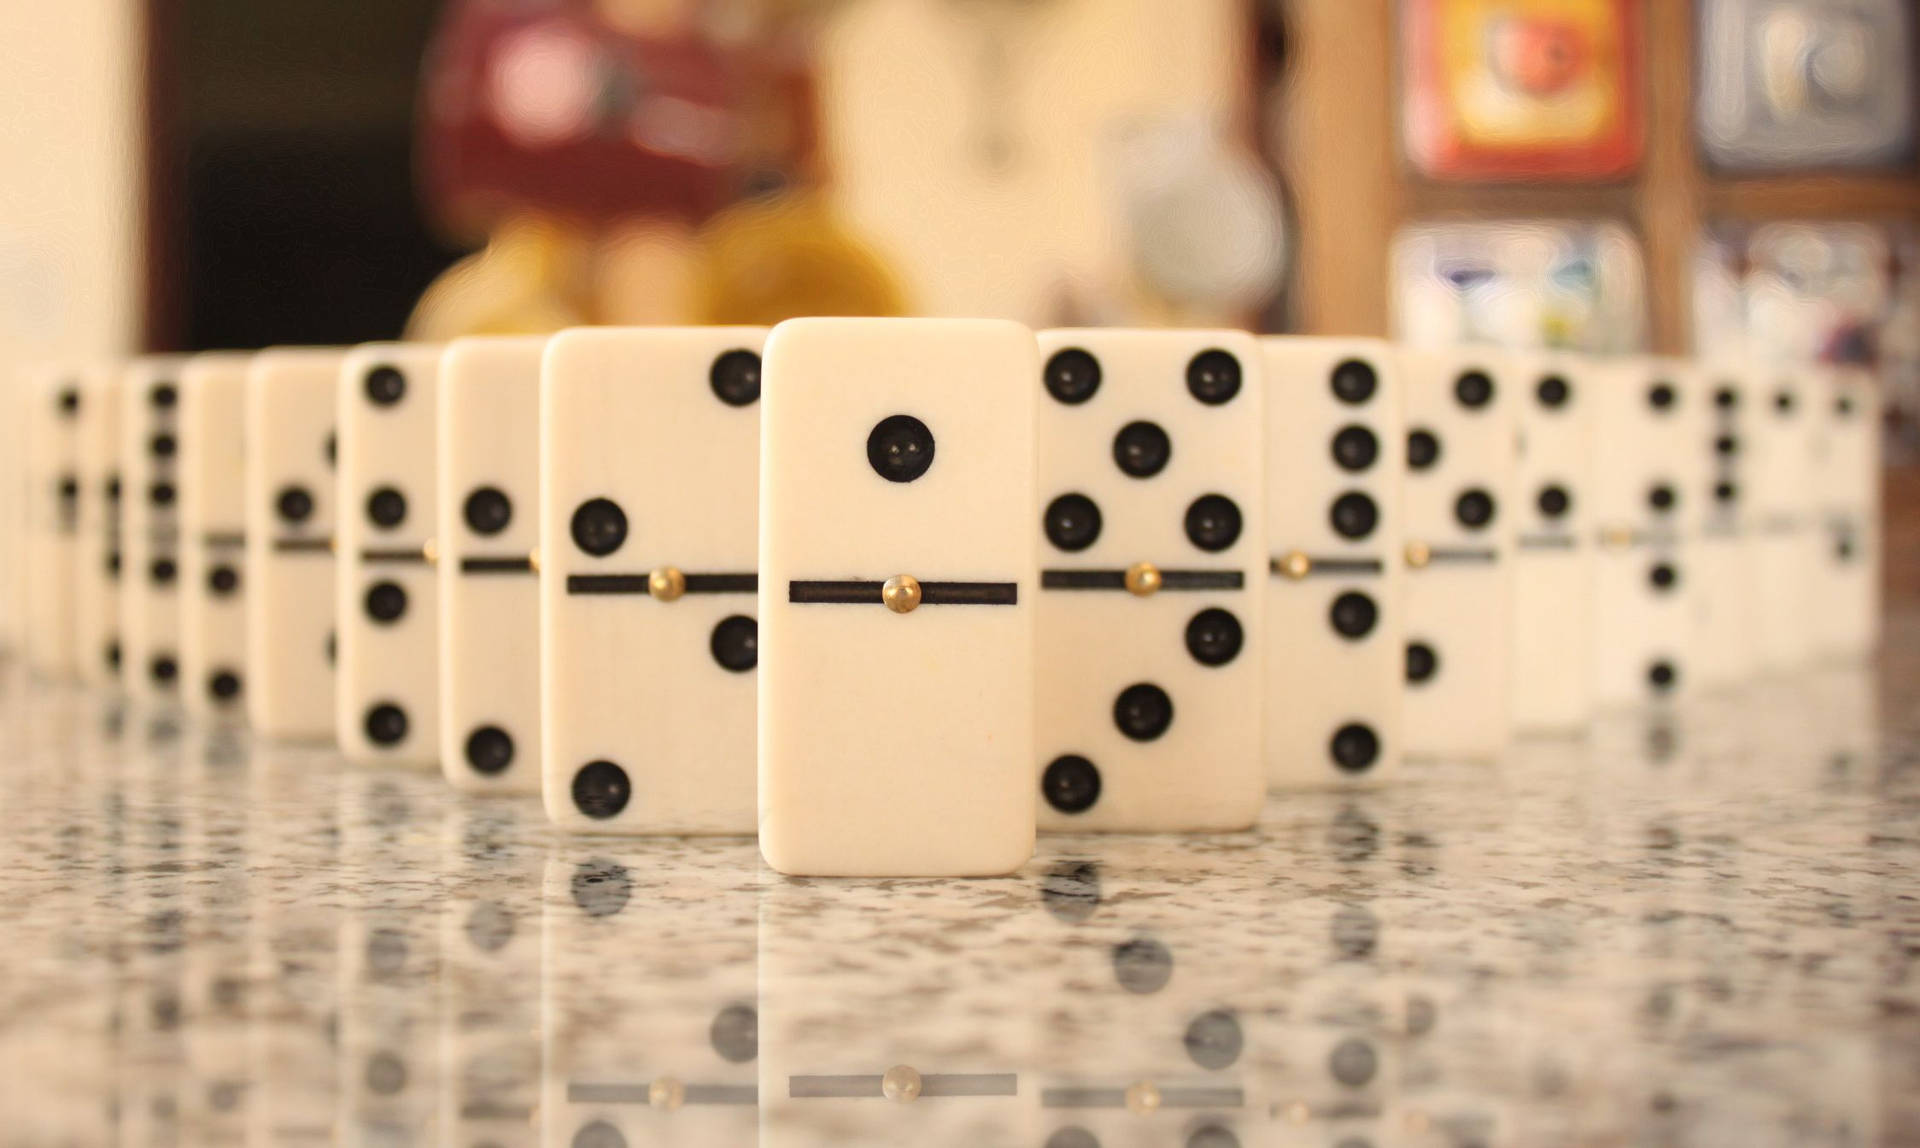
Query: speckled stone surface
1699	928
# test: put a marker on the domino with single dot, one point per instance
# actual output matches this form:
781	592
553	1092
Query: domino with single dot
213	535
1785	548
150	528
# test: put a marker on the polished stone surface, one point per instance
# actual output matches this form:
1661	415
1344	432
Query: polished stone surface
1697	928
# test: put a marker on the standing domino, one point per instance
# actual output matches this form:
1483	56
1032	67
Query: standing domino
289	489
651	451
150	524
1552	561
1149	627
489	448
1723	597
1334	636
1785	546
96	580
1848	581
51	405
1647	485
896	619
213	539
1459	529
387	696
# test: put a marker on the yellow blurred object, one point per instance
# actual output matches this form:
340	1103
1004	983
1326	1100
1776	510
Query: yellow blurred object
645	274
779	258
528	280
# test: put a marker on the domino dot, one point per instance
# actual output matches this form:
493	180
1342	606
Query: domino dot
385	386
163	571
1663	576
1354	382
1353	515
1070	784
113	489
68	402
1142	965
1725	492
599	527
1353	1062
69	488
1213	522
330	450
1422	662
1843	407
294	504
1661	497
386	1075
1554	501
1843	548
489	750
1213	1136
386	508
223	580
161	493
1213	1040
113	656
1474	508
598	1134
1143	711
1354	748
1662	676
1553	392
1473	389
332	648
488	510
163	445
1214	637
1726	398
900	448
1353	615
1783	402
735	1034
1726	444
163	396
1213	377
1660	396
386	602
736	644
735	378
1072	522
1423	449
223	686
385	724
1142	449
1072	1137
601	790
163	669
1355	448
1072	376
113	565
600	888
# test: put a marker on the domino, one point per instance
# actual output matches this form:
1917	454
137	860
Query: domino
1846	601
1334	581
213	538
1785	546
51	401
291	400
387	696
489	457
896	597
649	541
1552	560
97	571
150	525
1647	482
1149	623
1459	528
1724	612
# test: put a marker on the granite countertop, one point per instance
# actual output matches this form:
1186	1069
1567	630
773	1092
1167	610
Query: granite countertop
1690	928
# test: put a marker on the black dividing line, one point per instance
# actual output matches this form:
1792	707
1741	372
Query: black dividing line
639	583
1547	542
723	583
1117	580
1341	566
931	593
496	565
1462	554
228	539
303	545
414	555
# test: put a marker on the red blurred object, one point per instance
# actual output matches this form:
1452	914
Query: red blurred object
543	108
1540	56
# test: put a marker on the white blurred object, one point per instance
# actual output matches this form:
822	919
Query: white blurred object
1521	284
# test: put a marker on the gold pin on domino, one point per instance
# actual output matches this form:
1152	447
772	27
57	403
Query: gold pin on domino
533	560
1296	565
1419	554
1143	579
901	1083
1143	1098
430	551
901	593
666	583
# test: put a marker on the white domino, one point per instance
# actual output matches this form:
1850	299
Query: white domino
1723	599
1150	616
489	457
1785	547
1847	588
1459	530
291	403
213	540
1553	558
650	457
1335	643
1649	486
97	572
50	410
897	468
387	695
150	529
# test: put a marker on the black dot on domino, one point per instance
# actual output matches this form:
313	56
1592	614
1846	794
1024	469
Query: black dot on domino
1662	676
163	571
735	378
601	790
1553	392
161	493
1214	636
332	648
487	510
1070	784
386	508
1473	389
1213	522
1353	615
294	504
735	1034
385	386
163	445
223	686
163	669
1422	662
1554	501
1213	1040
68	402
223	580
1354	382
1072	376
1213	377
163	396
1353	515
1355	448
735	644
1354	747
1663	577
599	527
1661	497
1660	396
1072	522
386	602
1143	711
1423	449
1142	449
385	724
1474	508
489	750
900	448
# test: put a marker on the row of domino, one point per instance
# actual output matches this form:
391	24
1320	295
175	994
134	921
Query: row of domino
609	552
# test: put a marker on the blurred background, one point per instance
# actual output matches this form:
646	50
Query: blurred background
1722	177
